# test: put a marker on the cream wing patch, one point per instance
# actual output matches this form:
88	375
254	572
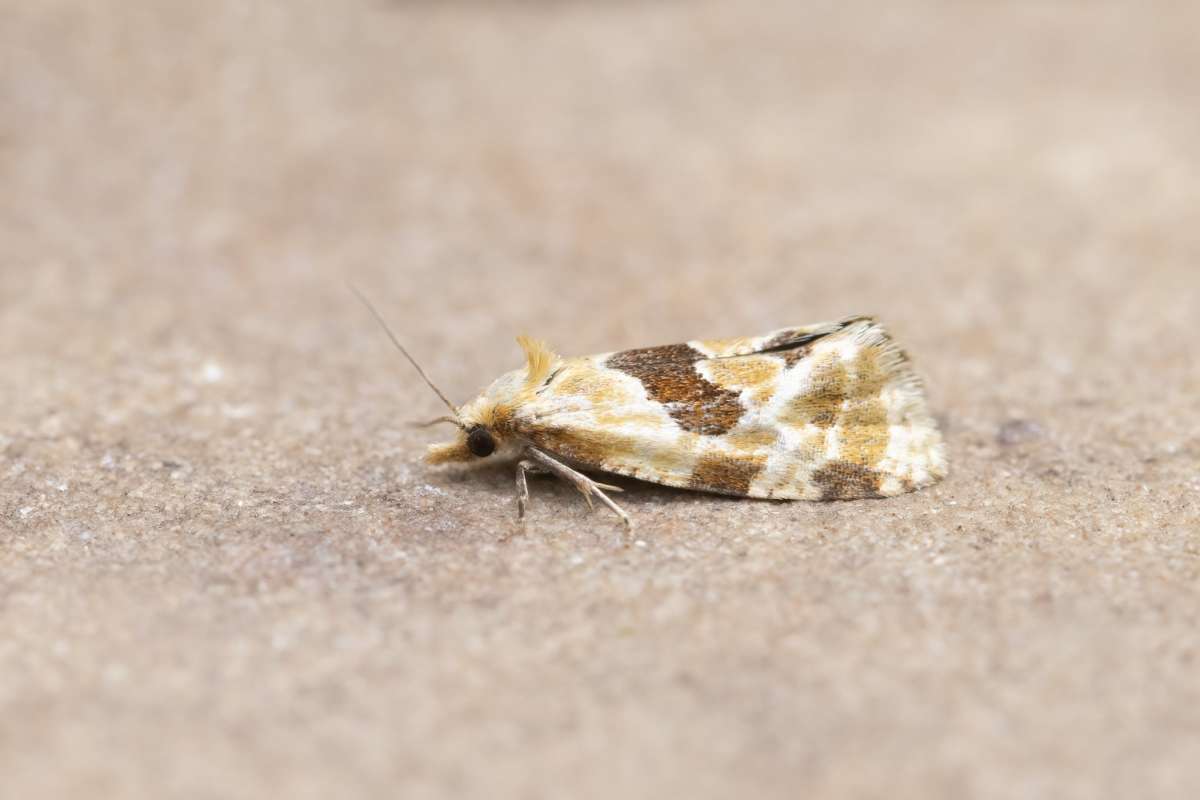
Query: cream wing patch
604	418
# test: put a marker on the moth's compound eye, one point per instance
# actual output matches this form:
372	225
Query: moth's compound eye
480	442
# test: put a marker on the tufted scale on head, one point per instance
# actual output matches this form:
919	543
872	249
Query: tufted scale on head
539	360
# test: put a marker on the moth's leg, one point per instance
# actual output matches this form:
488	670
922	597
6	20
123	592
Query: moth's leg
524	466
586	486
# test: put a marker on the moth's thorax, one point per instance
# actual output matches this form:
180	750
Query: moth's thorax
493	408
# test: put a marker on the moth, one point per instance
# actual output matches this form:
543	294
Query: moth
831	411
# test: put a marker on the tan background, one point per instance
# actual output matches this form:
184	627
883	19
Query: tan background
224	572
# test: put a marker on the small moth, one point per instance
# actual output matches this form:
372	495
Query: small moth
830	411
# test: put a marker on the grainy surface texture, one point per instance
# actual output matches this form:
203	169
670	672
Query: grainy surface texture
224	572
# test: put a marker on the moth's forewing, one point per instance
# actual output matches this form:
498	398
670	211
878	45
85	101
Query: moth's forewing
828	411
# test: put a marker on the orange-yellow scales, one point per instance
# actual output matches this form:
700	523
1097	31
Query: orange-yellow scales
823	412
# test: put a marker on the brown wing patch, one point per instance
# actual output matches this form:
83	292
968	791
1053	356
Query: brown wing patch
841	480
727	474
670	377
752	440
586	446
864	424
615	451
795	354
792	345
821	402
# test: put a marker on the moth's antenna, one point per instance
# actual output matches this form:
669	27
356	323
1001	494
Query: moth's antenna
400	347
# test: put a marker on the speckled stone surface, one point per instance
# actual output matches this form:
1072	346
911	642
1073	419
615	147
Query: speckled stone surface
225	573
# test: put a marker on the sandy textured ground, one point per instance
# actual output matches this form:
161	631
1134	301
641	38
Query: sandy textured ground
224	572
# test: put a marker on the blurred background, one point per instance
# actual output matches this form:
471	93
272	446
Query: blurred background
224	571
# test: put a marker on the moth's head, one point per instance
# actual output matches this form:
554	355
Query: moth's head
479	435
485	425
471	444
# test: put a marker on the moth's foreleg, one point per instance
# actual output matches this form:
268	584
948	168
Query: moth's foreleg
586	486
524	466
